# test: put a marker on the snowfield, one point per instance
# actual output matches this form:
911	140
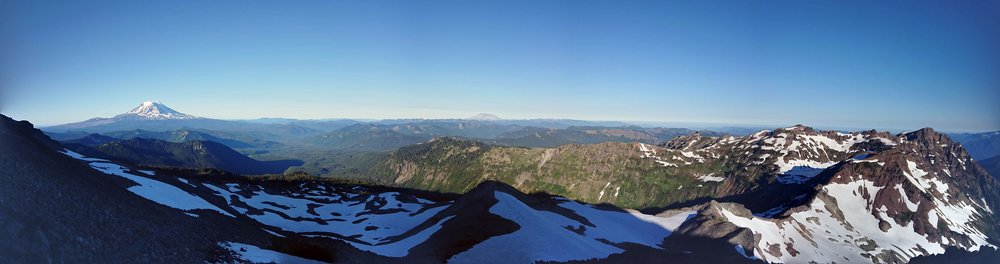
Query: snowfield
830	239
376	222
371	221
152	190
313	212
544	236
253	254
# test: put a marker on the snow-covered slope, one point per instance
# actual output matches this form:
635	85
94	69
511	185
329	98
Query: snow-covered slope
148	115
393	224
880	198
550	236
793	155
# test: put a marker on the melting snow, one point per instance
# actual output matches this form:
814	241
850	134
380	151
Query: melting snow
546	236
909	205
254	254
916	176
886	141
818	236
78	156
650	153
799	174
334	214
710	178
152	190
402	247
157	191
602	191
739	249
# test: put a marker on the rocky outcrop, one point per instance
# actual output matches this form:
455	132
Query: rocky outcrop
917	194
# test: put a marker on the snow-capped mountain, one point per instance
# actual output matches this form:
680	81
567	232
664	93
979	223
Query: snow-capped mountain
158	117
152	110
484	117
148	115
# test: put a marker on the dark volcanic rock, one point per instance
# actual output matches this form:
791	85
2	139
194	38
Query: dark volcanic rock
55	209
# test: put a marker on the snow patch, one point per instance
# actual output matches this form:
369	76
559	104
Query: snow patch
346	215
799	174
78	156
710	178
818	236
547	236
254	254
906	200
157	191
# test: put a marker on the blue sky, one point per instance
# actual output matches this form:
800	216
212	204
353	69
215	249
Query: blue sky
891	64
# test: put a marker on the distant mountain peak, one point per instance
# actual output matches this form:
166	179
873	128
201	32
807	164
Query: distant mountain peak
153	110
484	117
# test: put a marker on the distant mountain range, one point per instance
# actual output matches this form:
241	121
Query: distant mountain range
551	137
155	116
157	121
151	118
992	165
326	146
980	145
232	140
188	154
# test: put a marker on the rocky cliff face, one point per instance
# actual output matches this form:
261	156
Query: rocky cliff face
904	196
763	170
766	169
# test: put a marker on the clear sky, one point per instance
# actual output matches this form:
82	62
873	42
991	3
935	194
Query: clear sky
890	64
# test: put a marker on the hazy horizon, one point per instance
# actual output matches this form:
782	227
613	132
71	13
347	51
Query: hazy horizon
643	123
891	66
